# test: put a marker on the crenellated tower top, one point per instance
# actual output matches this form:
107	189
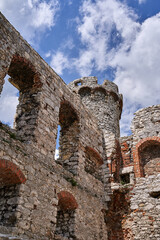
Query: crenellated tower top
104	101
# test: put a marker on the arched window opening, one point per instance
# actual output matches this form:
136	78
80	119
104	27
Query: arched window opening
115	96
69	137
150	157
65	226
100	94
93	163
10	178
23	76
155	194
84	92
8	102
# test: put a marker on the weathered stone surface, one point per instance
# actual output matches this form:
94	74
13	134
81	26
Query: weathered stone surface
102	186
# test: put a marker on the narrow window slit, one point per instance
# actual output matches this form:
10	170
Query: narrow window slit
57	143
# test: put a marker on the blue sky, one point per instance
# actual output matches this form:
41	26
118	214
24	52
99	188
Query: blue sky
116	40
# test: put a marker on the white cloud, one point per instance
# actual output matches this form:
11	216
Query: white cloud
128	113
95	26
48	54
8	103
68	44
56	154
30	17
99	20
59	62
110	36
135	57
138	72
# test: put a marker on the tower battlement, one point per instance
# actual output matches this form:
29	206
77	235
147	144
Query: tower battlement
104	101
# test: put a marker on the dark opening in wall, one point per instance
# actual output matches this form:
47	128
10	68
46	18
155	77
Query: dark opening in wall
93	163
57	143
84	92
69	137
8	205
8	102
65	225
11	177
100	94
78	83
24	77
150	158
155	194
125	178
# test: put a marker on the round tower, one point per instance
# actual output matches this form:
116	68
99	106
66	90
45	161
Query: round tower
104	101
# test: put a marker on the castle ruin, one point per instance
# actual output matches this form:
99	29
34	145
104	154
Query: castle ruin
102	186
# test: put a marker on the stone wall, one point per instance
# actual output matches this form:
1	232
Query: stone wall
102	186
146	136
32	210
145	208
146	123
118	215
29	201
150	157
134	206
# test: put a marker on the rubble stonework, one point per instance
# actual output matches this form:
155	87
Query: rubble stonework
102	186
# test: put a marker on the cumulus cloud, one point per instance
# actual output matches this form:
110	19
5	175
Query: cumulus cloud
138	72
59	62
104	22
59	59
30	16
48	54
8	103
110	37
114	38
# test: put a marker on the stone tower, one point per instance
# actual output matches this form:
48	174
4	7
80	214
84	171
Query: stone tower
103	101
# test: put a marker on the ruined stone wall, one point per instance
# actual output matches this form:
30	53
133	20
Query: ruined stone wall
51	93
118	217
136	214
146	158
146	123
127	166
146	132
30	208
145	207
126	151
101	187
